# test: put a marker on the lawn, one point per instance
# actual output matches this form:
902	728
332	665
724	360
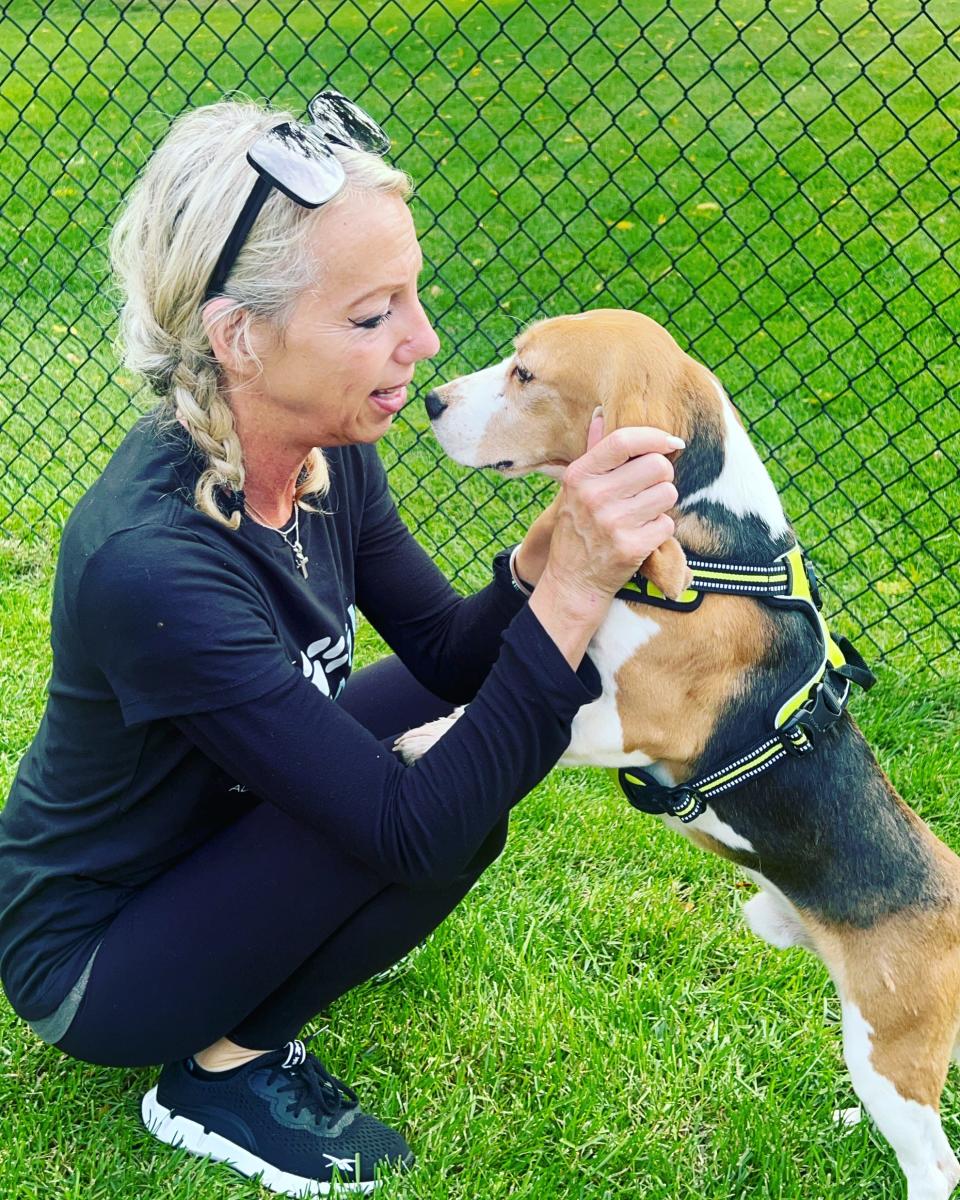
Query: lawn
594	1021
776	183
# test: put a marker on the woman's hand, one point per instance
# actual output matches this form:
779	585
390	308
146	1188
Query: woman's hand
612	508
534	551
609	516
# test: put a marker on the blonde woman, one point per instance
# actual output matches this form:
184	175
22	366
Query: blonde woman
210	839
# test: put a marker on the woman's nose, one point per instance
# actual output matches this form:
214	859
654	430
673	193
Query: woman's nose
421	342
432	345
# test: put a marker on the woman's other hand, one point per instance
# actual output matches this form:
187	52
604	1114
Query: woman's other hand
534	550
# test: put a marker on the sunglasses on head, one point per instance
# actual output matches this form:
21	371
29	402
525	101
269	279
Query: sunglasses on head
298	161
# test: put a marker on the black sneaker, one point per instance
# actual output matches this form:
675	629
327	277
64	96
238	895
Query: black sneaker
282	1117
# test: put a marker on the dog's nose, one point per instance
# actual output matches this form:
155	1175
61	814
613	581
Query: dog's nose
435	405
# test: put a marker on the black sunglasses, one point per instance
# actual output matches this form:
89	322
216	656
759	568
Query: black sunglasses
298	161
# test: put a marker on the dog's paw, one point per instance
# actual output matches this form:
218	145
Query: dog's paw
416	742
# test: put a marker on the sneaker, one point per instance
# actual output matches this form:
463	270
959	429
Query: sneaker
282	1117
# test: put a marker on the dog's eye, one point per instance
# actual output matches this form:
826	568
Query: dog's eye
522	373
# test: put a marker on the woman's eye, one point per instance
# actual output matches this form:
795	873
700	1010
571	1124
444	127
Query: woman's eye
372	322
522	373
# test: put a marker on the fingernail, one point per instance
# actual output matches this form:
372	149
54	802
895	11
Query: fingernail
676	443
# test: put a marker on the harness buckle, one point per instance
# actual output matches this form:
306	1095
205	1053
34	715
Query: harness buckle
817	715
812	583
645	793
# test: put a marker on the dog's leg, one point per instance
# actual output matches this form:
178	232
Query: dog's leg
774	919
911	1126
900	998
899	985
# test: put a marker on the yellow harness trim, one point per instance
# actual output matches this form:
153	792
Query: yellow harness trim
642	589
832	654
785	581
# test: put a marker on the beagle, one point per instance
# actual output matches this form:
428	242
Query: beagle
844	867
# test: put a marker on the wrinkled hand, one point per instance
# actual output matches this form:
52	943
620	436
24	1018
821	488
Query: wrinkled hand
611	511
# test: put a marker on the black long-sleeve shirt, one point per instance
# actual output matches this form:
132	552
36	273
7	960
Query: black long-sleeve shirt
196	672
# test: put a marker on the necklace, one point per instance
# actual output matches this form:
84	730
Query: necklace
294	528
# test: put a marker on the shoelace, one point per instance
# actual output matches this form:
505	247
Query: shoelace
316	1089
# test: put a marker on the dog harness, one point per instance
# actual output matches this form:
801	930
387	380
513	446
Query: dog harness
802	716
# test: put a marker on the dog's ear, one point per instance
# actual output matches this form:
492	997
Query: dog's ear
656	397
665	388
668	391
667	569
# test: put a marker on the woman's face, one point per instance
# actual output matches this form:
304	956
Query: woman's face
340	372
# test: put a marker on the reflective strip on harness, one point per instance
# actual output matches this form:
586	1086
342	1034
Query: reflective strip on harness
812	708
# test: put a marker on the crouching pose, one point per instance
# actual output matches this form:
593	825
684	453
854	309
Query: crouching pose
210	837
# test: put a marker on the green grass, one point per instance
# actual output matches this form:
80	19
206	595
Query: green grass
775	182
594	1021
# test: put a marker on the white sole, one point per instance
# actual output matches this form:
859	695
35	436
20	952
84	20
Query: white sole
180	1131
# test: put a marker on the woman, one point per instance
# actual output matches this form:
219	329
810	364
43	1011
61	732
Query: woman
209	839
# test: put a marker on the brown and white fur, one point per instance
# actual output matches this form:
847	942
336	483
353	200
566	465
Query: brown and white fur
843	866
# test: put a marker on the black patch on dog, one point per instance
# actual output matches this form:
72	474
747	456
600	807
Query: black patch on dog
829	831
827	828
740	538
700	463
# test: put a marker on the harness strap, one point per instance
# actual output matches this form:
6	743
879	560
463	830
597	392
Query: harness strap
735	579
789	581
688	800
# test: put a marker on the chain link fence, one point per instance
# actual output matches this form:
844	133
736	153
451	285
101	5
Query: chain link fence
776	182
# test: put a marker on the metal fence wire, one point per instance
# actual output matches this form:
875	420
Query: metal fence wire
775	182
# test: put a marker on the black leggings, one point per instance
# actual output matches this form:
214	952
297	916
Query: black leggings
261	926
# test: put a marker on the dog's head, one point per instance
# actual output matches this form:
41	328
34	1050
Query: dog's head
531	412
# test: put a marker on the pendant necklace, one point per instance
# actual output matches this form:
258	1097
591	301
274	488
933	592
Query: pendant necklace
294	528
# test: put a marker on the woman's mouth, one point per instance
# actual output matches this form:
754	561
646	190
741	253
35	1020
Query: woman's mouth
390	400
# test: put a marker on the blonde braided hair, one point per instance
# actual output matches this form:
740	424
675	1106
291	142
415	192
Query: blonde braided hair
163	249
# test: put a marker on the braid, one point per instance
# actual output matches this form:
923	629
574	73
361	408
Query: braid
197	400
314	479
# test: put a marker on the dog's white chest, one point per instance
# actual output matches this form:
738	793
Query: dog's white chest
597	732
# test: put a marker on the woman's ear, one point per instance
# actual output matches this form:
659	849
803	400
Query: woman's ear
222	323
